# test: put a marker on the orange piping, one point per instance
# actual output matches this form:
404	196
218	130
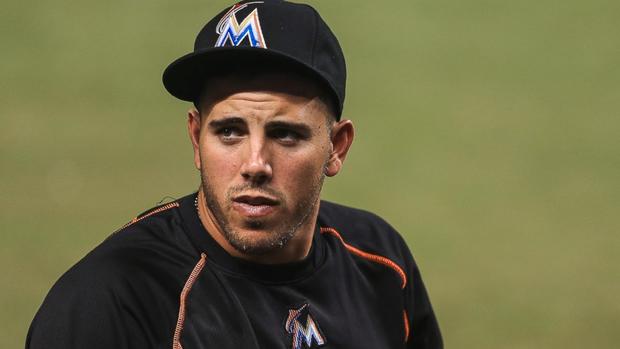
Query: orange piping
176	340
378	259
369	256
406	320
155	211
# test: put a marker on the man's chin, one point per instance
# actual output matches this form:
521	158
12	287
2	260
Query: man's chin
265	224
254	224
257	245
257	237
250	230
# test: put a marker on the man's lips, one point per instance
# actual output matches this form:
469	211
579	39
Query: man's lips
254	205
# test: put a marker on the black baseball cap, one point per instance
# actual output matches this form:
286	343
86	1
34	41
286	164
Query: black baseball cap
251	33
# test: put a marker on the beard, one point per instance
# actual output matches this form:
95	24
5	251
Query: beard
281	233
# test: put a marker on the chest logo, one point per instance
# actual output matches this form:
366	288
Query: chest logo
304	328
232	32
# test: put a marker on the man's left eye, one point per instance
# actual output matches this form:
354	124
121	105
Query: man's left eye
284	135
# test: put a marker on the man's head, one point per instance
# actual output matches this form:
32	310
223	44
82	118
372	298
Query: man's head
268	82
263	144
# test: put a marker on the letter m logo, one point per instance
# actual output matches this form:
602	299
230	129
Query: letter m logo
308	336
234	33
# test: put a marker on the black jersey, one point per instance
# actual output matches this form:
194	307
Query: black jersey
163	282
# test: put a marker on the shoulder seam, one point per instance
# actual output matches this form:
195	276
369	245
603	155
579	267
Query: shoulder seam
369	256
150	213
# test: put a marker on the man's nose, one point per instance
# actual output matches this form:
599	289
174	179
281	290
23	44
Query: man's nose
257	165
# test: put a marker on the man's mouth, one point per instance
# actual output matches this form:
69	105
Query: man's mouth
254	205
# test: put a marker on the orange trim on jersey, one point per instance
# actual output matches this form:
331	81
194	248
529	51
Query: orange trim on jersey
406	320
176	340
155	211
369	256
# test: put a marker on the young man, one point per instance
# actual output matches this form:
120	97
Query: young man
254	259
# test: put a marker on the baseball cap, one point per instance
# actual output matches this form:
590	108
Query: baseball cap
251	33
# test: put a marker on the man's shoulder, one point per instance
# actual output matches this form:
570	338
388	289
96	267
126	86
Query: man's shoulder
160	227
158	230
134	252
142	264
362	229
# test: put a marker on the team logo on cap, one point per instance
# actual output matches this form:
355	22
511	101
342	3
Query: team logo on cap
232	32
308	334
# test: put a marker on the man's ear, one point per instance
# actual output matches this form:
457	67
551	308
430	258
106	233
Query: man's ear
342	138
193	128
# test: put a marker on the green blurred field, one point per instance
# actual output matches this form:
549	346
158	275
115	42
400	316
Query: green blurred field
488	133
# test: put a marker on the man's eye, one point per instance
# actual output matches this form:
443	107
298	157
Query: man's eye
229	133
284	135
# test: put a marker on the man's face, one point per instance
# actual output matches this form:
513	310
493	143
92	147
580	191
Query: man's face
263	148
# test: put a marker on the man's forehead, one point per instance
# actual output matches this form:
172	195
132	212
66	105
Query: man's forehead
266	105
263	82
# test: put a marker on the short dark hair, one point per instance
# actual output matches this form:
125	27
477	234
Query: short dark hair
260	67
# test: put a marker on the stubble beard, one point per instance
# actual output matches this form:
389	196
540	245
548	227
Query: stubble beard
282	233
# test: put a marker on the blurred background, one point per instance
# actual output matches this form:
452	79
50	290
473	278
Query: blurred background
487	134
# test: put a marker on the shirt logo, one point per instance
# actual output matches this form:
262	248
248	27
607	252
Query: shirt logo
233	33
310	334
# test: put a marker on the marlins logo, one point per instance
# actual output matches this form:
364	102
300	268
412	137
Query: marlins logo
310	334
233	32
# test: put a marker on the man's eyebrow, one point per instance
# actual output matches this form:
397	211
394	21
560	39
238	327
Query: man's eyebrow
297	126
226	121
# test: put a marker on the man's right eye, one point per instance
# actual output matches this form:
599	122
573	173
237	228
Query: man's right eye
229	133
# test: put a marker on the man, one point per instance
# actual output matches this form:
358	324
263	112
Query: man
254	259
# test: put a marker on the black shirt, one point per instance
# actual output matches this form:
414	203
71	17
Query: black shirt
163	282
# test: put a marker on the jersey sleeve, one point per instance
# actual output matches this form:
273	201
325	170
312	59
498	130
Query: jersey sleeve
370	232
84	310
424	330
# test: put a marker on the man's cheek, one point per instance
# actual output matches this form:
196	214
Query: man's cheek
304	175
219	164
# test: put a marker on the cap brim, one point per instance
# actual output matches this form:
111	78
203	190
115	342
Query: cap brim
185	77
